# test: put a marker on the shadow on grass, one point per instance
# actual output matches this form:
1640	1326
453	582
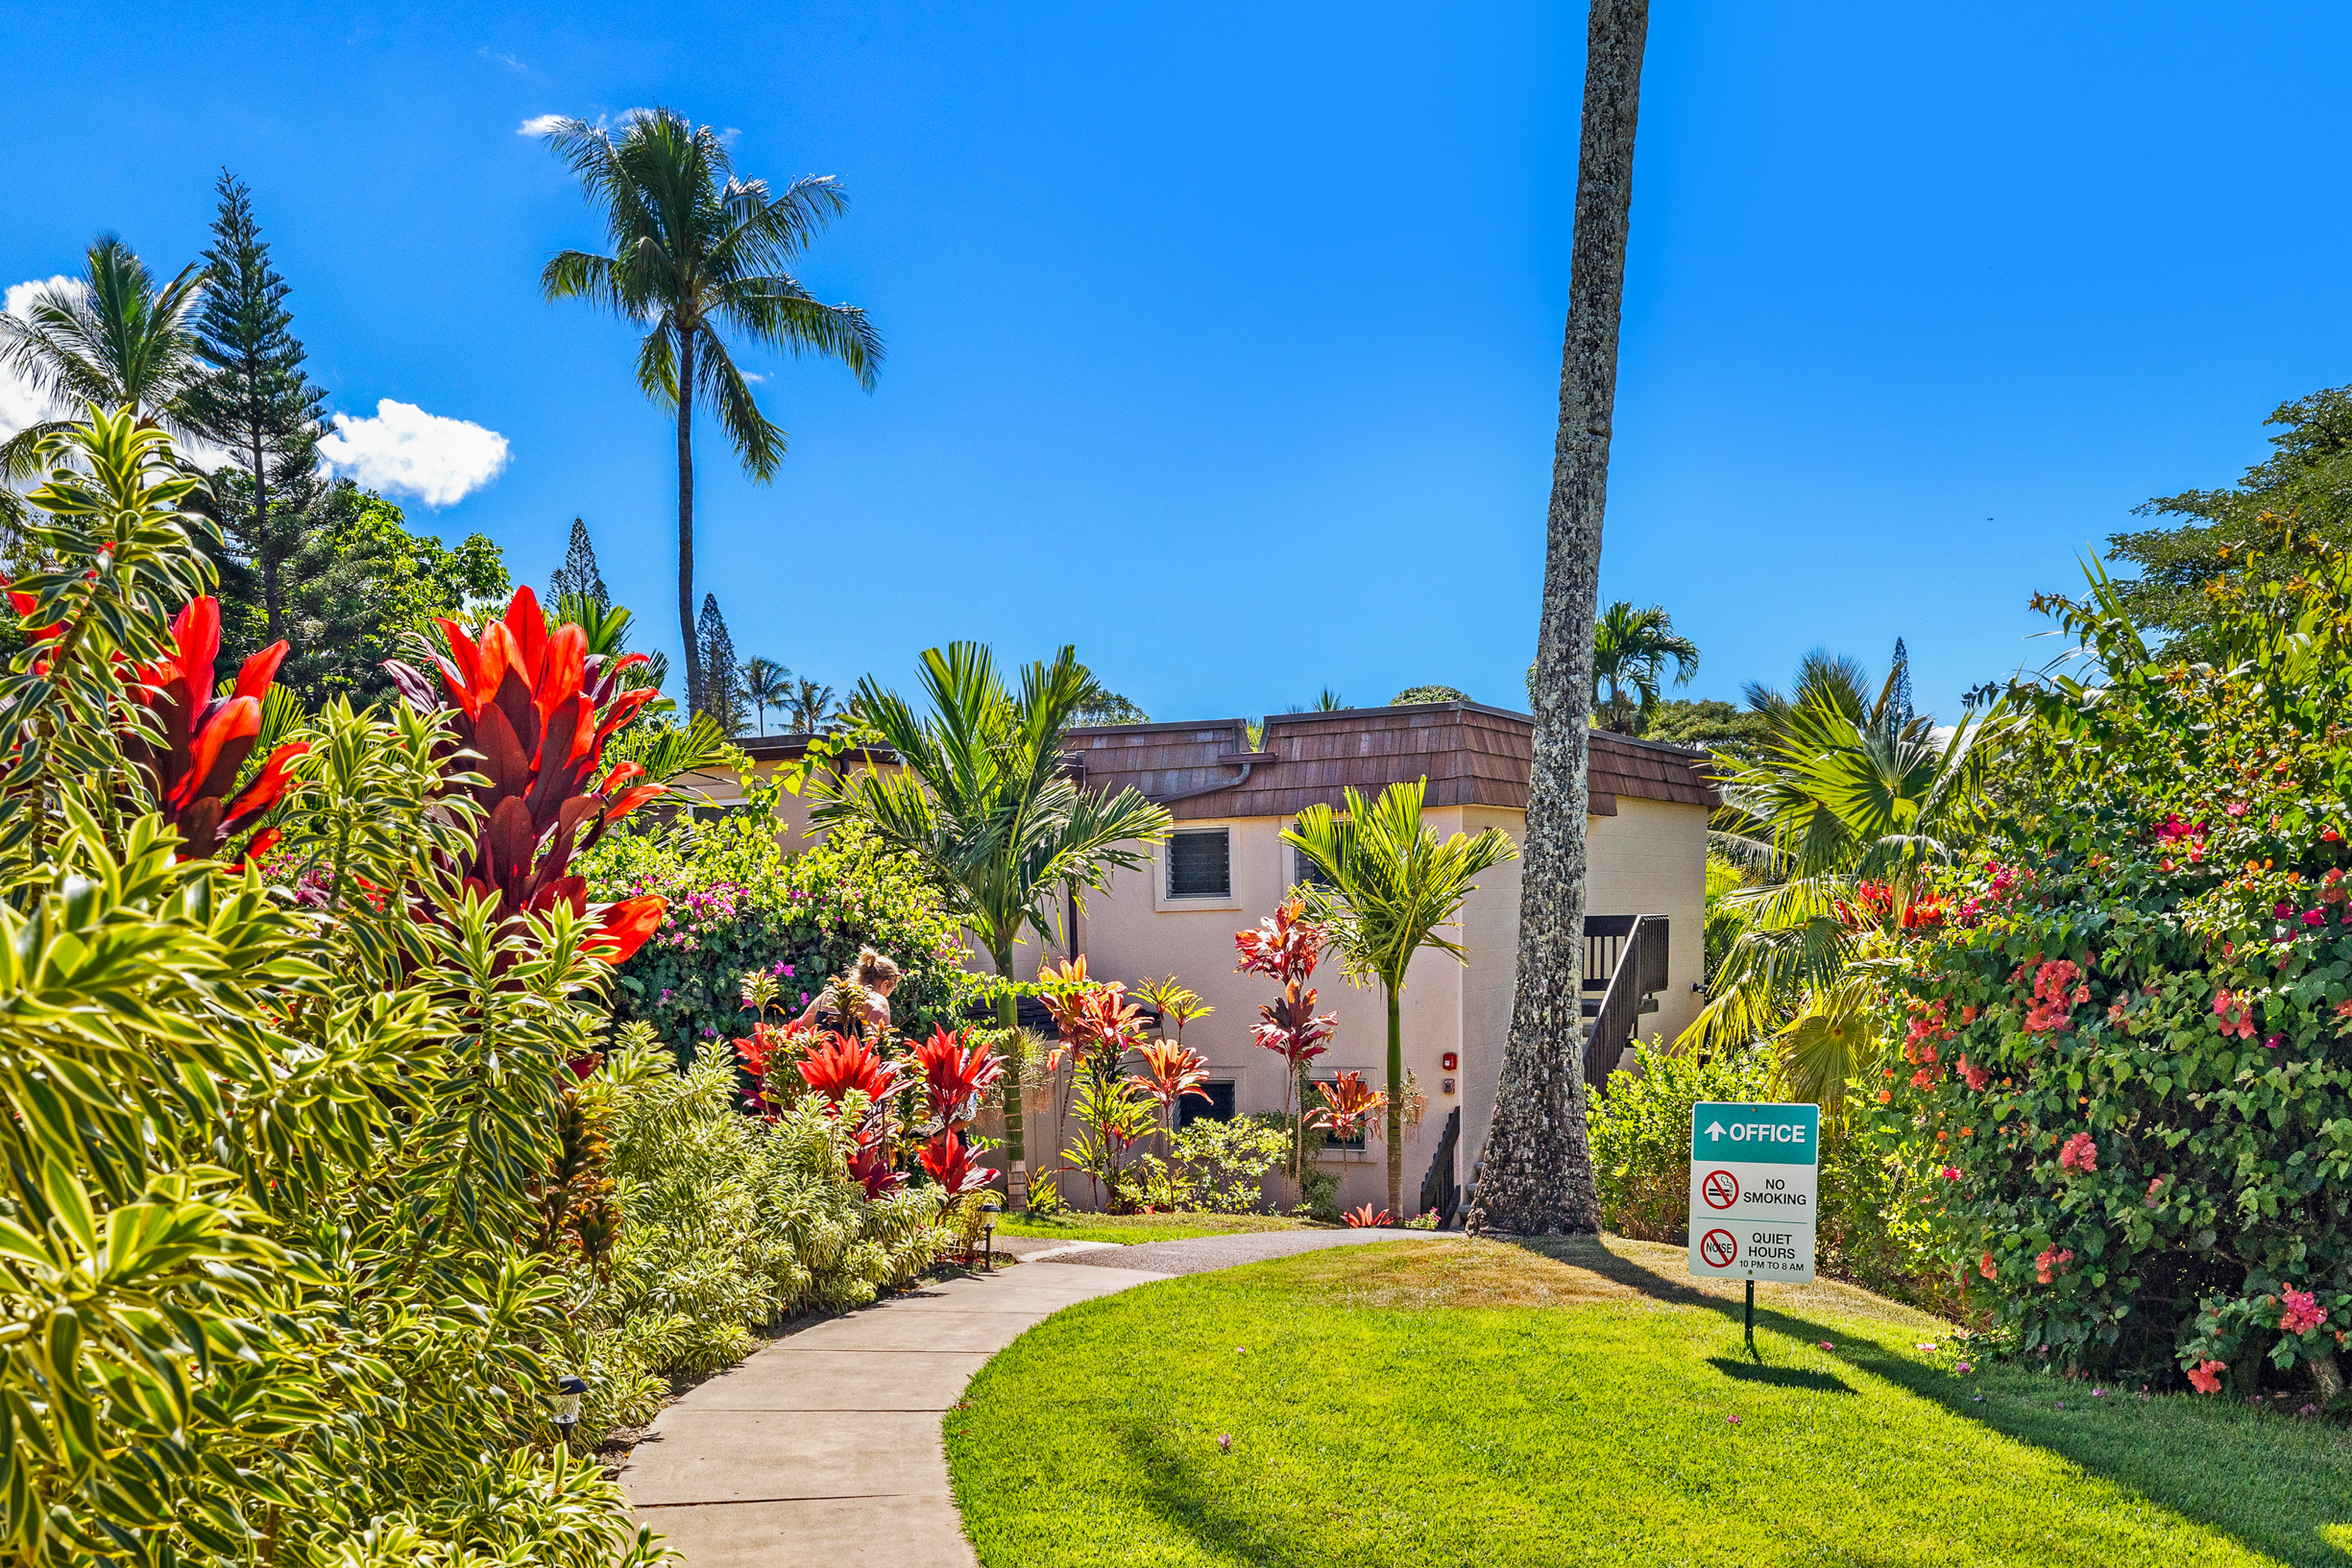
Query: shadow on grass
2277	1488
1781	1377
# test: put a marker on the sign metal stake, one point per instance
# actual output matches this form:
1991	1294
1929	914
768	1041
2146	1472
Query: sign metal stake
1752	1350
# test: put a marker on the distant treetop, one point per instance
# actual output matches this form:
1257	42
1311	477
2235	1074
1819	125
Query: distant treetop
1427	693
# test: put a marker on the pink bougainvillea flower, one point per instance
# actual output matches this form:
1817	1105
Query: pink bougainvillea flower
1951	1172
2302	1315
2051	1261
2283	910
1826	1345
2205	1377
2080	1153
1962	1366
2235	808
1978	1077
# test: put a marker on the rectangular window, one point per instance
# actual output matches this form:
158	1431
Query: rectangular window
1201	864
1332	1140
1217	1107
1305	872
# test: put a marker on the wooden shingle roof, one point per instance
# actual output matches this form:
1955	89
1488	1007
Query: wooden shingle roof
1472	755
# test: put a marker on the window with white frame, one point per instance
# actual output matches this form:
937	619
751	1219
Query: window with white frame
1200	863
1304	872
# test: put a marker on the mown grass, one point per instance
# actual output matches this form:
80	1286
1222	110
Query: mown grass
1467	1402
1129	1229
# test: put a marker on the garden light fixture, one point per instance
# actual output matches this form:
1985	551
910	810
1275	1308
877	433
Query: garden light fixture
568	1391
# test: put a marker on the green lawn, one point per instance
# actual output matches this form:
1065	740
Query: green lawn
1127	1229
1475	1402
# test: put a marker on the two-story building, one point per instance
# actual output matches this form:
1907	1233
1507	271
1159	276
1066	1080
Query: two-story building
1224	867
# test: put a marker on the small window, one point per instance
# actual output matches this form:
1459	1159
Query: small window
1332	1140
1217	1107
1201	864
1304	872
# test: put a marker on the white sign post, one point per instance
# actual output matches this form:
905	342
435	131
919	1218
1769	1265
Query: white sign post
1754	1186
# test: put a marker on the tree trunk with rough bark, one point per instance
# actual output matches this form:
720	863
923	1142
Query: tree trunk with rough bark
685	521
1538	1177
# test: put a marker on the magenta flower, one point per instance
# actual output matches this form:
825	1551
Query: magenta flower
2303	1313
2283	910
2274	1042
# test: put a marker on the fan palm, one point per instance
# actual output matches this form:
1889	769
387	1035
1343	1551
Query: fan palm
1631	649
982	800
1393	885
1842	816
695	251
765	685
110	338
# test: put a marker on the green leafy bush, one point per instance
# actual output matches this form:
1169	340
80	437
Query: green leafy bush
731	1221
271	1285
1639	1131
738	902
1224	1163
2128	1052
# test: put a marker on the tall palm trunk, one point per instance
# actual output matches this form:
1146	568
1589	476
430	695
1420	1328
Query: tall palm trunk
685	519
1538	1179
1396	1087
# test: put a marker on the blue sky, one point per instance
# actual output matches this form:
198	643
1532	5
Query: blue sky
1223	341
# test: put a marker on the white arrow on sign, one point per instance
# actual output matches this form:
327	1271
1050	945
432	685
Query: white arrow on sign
1714	1129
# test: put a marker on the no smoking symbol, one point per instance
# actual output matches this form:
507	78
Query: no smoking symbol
1720	1248
1720	1189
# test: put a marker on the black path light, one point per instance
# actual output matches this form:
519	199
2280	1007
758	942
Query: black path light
990	1207
568	1391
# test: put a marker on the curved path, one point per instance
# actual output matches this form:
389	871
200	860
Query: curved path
824	1448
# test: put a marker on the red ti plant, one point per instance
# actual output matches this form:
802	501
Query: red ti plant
536	709
950	1165
957	1076
1170	1072
1363	1218
871	1162
849	1062
1098	1026
205	739
1284	948
1350	1105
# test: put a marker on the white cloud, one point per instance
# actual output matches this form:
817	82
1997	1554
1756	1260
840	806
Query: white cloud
539	125
507	60
402	451
21	404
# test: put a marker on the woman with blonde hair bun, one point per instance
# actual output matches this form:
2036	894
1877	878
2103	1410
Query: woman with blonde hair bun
856	1000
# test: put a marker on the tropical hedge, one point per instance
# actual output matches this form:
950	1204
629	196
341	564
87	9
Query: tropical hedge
737	899
2127	1047
316	1178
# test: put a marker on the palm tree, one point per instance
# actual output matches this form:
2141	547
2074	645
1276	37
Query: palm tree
984	801
765	685
1393	885
1631	649
1538	1178
809	708
110	338
695	250
1844	811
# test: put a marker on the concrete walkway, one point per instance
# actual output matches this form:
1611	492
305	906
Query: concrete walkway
824	1448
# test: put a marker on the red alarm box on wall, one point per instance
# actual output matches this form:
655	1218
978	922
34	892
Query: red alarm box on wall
1449	1061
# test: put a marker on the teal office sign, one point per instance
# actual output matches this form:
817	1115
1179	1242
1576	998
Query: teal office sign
1754	1185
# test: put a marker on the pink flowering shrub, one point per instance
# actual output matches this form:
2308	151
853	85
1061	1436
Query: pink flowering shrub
2142	1063
738	902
